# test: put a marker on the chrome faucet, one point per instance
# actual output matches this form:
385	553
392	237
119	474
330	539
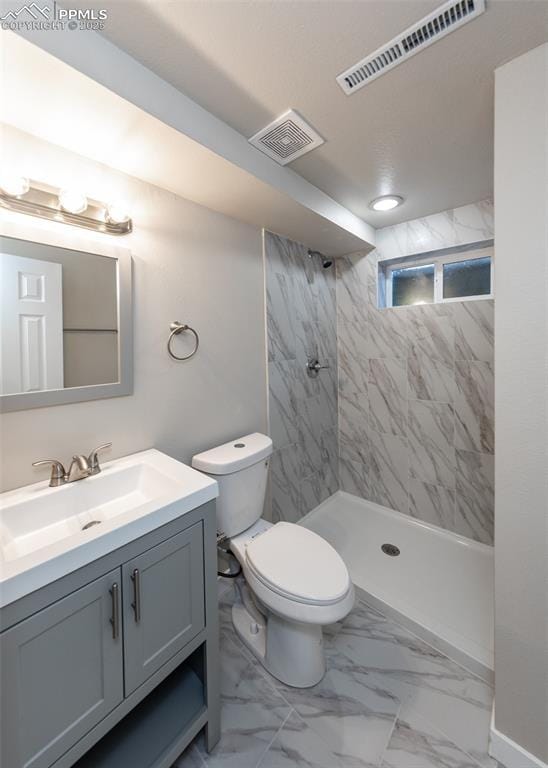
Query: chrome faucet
80	467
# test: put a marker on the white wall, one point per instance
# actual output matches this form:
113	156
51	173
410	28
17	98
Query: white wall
190	264
521	401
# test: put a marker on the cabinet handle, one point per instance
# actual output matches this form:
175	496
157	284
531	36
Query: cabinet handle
115	619
136	604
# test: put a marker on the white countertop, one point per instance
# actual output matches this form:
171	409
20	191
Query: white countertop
41	536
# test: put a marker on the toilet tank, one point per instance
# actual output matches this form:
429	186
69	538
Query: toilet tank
241	469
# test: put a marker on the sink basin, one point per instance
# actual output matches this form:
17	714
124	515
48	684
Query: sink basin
46	532
38	517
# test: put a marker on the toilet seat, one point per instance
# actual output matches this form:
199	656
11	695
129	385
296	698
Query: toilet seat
298	565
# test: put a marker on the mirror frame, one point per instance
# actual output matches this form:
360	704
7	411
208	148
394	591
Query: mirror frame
59	236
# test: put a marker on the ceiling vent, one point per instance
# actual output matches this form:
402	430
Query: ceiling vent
430	29
286	138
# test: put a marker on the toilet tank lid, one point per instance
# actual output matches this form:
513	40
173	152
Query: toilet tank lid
234	455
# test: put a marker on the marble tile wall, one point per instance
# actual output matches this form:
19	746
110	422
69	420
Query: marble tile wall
301	323
416	389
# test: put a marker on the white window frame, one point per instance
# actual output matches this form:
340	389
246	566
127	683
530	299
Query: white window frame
437	259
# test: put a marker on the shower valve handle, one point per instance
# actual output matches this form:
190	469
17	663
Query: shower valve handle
313	367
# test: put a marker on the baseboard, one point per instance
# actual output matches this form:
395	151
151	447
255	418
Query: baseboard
510	754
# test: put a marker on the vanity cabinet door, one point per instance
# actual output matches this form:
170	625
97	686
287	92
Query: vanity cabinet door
163	603
61	674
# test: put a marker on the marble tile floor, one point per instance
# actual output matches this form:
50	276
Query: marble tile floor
388	700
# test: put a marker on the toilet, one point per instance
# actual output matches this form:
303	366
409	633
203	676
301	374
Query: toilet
294	582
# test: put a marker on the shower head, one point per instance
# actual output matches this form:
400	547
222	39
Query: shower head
326	262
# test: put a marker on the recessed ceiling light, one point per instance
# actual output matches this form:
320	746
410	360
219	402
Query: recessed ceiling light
73	201
14	186
386	202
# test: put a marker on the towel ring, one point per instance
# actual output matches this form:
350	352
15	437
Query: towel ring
176	328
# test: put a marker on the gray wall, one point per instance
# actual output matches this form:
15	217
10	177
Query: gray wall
521	405
416	423
190	264
301	323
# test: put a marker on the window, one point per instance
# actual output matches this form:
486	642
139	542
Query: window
469	277
413	285
448	275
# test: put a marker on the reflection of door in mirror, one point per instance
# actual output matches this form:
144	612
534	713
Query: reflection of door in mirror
59	318
31	333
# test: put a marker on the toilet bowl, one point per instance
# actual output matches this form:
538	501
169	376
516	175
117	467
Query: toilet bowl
298	583
293	581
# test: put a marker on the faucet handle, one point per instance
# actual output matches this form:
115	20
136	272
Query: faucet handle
93	461
58	474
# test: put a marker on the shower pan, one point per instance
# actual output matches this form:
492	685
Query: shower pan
437	583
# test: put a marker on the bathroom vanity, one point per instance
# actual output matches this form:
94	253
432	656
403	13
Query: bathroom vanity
109	631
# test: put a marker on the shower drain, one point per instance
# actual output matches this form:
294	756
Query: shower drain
90	524
390	549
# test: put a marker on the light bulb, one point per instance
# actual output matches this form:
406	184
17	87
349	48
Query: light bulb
14	186
117	213
73	201
386	202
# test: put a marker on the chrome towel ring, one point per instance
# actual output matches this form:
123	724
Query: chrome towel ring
176	328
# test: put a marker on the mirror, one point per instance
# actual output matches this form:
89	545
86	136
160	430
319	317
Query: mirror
65	324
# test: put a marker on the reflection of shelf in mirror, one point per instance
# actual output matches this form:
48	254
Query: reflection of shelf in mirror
90	330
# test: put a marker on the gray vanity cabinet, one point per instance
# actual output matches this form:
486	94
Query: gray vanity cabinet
115	665
61	673
163	604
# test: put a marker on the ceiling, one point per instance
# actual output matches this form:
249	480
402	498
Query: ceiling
80	115
424	130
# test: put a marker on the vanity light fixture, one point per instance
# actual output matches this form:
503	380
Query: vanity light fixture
386	202
65	206
14	186
73	201
117	213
